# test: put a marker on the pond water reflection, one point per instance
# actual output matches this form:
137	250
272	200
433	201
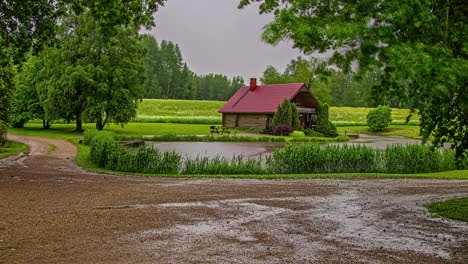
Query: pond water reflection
255	149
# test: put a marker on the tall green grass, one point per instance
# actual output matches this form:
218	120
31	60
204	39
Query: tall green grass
310	158
221	165
108	154
418	159
293	159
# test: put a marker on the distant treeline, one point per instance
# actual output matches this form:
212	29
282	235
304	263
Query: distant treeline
170	78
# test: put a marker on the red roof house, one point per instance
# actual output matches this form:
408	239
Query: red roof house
253	106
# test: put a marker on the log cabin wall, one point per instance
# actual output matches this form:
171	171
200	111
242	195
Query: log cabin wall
229	120
246	120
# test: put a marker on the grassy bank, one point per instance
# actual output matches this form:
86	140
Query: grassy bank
83	160
107	153
396	130
456	209
13	148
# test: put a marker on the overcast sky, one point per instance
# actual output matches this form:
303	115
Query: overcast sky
216	37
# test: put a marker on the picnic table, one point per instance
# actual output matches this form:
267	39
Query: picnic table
219	130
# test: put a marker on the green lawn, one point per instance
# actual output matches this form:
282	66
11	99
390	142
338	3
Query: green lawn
456	209
206	112
352	116
13	148
65	131
400	130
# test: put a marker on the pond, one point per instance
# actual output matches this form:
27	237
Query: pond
255	149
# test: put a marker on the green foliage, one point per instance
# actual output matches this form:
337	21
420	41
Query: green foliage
3	132
26	26
418	159
312	158
103	84
6	92
220	165
109	154
297	134
312	72
286	115
424	65
456	209
323	124
378	119
312	133
295	122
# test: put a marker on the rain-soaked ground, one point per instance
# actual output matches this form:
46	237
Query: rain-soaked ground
255	149
52	211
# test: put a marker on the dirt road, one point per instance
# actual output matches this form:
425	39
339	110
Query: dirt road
52	211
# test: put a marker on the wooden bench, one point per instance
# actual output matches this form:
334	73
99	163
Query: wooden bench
214	129
225	130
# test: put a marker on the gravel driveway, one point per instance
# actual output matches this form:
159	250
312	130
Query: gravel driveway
52	211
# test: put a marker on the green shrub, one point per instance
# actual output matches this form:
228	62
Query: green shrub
323	124
287	115
297	134
282	130
378	119
295	122
3	133
312	133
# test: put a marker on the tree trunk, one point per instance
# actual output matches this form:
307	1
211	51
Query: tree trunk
45	123
99	124
79	123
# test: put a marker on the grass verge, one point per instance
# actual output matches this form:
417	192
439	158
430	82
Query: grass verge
12	149
456	209
396	130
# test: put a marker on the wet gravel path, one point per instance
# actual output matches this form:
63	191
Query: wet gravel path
52	211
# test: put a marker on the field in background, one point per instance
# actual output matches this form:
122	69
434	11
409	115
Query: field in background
206	112
179	111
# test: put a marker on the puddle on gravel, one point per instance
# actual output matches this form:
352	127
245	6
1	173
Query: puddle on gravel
354	217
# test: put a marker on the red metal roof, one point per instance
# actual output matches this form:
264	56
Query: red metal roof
263	99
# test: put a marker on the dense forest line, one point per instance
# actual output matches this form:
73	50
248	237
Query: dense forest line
168	77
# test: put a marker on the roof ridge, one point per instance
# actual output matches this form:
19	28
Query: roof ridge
240	98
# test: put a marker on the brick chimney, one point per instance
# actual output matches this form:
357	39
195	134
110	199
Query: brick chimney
253	84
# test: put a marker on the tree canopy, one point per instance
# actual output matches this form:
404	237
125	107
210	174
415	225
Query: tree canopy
419	44
26	26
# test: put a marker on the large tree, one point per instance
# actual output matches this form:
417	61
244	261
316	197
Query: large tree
91	76
27	25
420	45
